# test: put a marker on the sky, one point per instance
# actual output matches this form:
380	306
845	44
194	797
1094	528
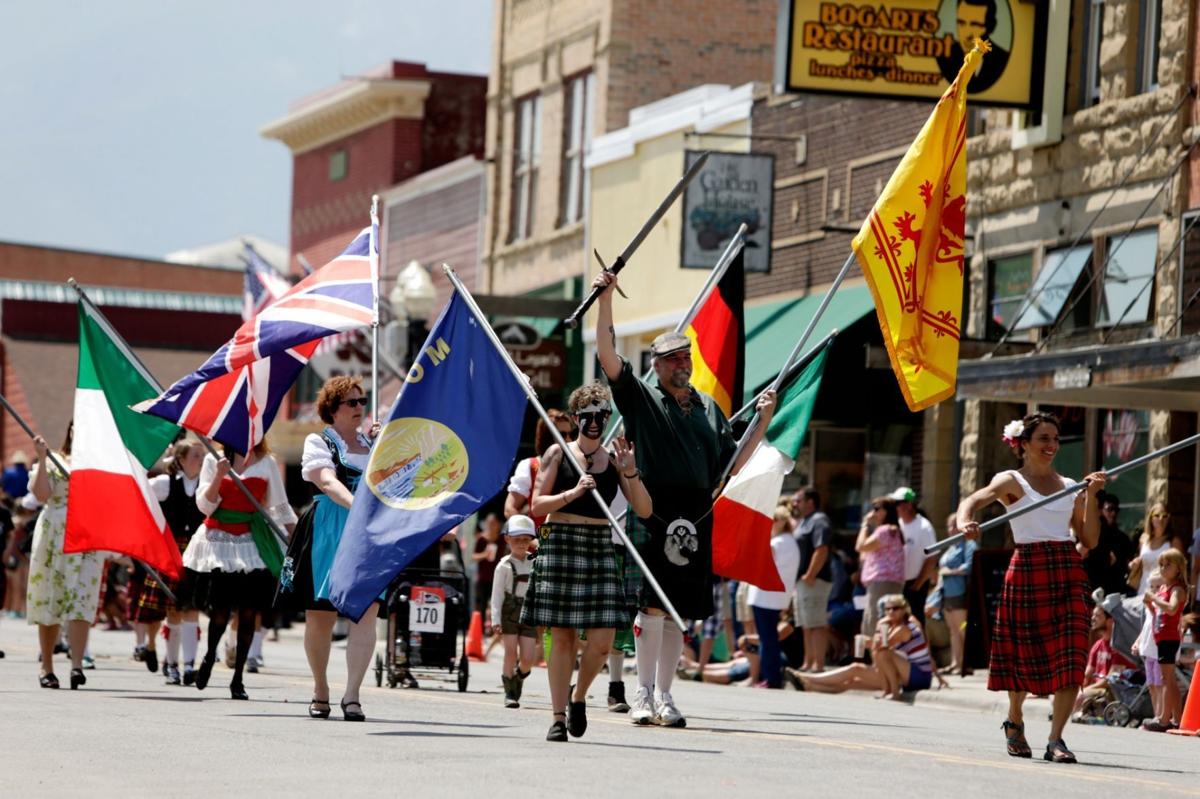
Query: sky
131	126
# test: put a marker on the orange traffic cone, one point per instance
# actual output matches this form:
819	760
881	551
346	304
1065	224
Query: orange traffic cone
475	638
1190	723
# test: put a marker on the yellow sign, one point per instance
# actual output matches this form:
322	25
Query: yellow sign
914	48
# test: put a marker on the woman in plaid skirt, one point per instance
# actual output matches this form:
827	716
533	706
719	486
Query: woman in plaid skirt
1040	638
576	584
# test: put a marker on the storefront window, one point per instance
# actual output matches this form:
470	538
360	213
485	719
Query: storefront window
838	473
1124	435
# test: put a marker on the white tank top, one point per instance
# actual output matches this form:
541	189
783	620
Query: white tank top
1048	523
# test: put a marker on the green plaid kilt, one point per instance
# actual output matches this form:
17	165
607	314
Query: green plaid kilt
575	580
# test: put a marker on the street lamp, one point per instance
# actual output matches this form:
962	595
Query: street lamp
412	300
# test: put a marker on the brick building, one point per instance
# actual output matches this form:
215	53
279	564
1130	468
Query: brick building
173	315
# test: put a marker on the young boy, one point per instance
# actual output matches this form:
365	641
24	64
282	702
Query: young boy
508	594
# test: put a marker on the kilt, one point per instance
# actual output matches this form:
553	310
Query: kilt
1040	638
153	603
575	581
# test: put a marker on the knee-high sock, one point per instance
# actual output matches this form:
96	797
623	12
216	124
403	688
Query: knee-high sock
189	637
647	644
668	656
173	632
256	644
616	662
139	634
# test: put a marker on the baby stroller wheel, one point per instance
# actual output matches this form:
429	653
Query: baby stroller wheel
378	671
1117	714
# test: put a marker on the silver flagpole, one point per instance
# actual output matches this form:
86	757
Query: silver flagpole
568	456
736	244
166	588
946	543
112	332
375	264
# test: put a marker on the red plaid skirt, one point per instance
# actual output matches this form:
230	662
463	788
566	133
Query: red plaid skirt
1040	638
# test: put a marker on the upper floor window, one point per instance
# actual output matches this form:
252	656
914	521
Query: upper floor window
339	165
576	140
1008	284
1056	282
1128	278
1093	36
527	146
1151	26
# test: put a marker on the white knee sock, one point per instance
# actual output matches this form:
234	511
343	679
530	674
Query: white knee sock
173	634
139	634
616	663
647	644
189	639
668	656
256	644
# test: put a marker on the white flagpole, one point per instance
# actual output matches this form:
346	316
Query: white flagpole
375	259
568	456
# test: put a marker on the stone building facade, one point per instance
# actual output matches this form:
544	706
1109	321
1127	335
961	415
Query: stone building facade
1082	255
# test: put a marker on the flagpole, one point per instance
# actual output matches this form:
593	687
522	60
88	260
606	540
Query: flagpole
568	455
946	543
736	244
166	588
788	376
374	255
112	332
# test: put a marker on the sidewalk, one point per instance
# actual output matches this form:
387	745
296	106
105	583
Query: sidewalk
970	694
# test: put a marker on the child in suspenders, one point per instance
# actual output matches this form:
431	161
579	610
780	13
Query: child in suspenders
508	594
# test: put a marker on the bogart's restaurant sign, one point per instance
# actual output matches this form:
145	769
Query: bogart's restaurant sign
911	49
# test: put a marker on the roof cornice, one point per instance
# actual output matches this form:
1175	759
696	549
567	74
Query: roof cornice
360	105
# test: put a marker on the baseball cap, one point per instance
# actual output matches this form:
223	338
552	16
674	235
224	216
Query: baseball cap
669	343
520	525
903	494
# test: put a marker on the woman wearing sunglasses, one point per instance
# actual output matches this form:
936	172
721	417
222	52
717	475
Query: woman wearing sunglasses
576	584
333	461
1156	539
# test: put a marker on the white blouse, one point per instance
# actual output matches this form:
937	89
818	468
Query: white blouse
316	455
1048	523
161	486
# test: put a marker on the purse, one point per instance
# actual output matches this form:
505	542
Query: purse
1135	574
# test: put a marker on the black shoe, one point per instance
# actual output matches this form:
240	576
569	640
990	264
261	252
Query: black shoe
237	691
319	709
616	698
48	680
151	660
189	675
1057	752
77	678
519	683
171	672
510	692
204	672
165	663
577	719
558	731
60	648
352	715
139	654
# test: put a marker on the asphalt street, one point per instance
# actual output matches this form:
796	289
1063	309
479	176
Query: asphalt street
128	734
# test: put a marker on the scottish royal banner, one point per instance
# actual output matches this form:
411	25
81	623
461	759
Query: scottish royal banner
914	48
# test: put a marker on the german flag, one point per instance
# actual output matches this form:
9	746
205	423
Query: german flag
718	335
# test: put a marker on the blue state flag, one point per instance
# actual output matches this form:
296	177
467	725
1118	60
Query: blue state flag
446	448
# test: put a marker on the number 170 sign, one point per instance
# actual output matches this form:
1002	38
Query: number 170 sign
427	610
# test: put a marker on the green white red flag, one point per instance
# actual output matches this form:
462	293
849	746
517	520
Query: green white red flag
110	505
742	515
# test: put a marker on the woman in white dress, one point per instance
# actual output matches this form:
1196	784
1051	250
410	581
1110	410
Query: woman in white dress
63	588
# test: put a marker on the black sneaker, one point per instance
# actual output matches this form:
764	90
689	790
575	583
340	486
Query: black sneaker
557	733
189	675
151	660
139	654
171	672
510	693
616	697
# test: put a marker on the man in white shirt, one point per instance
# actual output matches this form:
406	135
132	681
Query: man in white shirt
919	569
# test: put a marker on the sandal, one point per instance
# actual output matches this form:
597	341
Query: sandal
316	712
558	730
1057	752
77	678
48	680
352	715
1014	735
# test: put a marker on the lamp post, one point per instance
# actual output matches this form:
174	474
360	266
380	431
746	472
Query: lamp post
412	300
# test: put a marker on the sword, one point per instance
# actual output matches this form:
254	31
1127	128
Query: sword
572	321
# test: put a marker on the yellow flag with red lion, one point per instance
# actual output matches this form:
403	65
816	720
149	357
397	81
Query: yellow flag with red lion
911	249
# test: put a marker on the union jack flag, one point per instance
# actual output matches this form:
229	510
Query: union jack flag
234	397
262	285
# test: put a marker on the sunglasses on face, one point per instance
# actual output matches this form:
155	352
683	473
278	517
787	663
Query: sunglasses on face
895	607
597	417
1160	515
360	402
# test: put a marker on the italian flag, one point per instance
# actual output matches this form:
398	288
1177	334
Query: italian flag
742	516
110	505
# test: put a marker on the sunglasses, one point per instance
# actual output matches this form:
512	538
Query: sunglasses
360	402
895	607
596	417
1160	515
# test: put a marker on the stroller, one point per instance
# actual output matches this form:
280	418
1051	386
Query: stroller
1128	702
426	628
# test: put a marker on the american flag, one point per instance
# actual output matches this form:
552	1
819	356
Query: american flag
262	285
234	397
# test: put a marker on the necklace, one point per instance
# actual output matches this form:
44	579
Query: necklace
685	403
588	457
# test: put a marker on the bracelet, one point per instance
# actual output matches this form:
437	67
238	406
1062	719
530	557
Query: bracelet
636	474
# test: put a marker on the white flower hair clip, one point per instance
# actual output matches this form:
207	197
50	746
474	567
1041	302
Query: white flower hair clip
1012	432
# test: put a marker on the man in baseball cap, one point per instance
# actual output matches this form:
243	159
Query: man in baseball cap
919	570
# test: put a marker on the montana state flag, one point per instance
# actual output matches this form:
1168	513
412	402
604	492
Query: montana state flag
911	249
718	335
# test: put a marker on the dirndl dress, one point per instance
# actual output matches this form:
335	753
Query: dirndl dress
575	581
177	497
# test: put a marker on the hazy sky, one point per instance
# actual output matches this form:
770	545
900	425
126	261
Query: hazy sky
131	126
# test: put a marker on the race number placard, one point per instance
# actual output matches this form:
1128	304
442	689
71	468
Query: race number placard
427	610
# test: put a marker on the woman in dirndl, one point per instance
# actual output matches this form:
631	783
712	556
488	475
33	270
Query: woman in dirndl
333	461
576	584
1040	637
176	494
235	557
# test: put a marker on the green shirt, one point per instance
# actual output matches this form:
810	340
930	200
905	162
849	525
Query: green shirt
673	448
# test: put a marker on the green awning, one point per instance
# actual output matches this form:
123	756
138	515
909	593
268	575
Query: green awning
774	328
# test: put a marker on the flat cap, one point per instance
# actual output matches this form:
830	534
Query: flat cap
669	343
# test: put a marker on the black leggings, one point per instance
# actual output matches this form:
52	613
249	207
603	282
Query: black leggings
218	620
